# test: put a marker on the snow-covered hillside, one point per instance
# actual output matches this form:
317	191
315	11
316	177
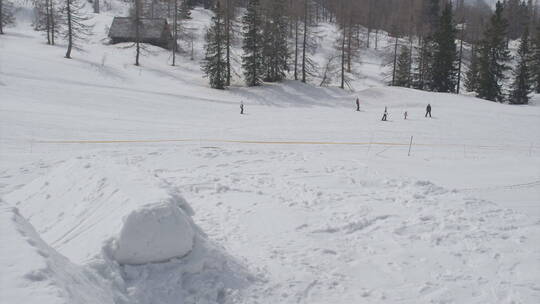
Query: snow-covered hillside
124	184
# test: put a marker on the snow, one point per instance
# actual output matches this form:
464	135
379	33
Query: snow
33	272
91	202
154	233
301	200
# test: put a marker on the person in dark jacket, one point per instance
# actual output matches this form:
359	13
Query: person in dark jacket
241	108
385	114
357	104
428	110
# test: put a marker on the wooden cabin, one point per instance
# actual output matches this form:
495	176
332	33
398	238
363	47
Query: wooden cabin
155	31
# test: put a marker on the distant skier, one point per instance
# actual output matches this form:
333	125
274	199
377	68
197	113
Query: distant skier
357	104
428	110
242	108
405	115
385	115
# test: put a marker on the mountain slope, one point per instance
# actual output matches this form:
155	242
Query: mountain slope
301	200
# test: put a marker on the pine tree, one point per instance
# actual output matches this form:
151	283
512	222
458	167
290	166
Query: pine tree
275	52
214	64
76	27
423	75
517	14
535	61
522	87
493	59
229	16
431	12
403	68
471	77
6	14
424	69
252	61
445	54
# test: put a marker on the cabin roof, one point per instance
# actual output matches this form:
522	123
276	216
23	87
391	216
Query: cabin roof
151	28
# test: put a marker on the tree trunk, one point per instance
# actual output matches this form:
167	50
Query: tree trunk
369	29
175	31
192	50
219	36
228	41
349	47
296	49
305	41
137	32
421	65
1	17
410	64
368	36
395	62
53	23
376	39
343	60
96	6
460	62
48	23
70	29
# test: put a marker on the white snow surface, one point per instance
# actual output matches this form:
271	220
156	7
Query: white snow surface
33	272
301	200
83	204
154	233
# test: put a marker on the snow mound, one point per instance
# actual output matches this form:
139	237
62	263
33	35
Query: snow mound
33	272
90	206
154	233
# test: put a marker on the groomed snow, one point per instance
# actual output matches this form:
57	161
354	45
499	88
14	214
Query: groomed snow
301	200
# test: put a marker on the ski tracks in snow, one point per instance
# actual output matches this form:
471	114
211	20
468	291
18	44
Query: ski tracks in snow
310	227
320	229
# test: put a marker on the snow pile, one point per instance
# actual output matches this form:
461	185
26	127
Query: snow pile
154	233
86	205
108	232
33	272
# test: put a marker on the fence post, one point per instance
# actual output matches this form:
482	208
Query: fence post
410	145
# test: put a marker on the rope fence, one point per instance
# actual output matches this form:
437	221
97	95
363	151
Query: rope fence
272	142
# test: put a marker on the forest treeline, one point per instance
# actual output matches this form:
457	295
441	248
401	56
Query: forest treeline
278	39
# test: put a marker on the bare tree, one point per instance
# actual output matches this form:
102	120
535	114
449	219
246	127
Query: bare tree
76	27
49	19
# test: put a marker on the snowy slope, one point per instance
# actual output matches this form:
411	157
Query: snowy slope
301	200
34	272
77	218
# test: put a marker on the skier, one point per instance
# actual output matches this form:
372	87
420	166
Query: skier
405	115
357	104
385	115
428	110
241	108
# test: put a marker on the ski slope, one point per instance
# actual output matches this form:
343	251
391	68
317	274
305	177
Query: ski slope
124	184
